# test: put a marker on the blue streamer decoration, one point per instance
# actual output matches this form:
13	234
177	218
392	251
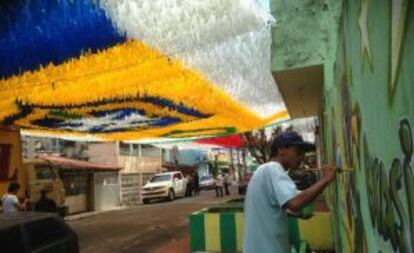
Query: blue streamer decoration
34	33
62	118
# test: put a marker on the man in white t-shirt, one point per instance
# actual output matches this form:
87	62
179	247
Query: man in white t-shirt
10	201
271	194
218	181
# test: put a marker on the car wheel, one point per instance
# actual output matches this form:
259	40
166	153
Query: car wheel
145	201
171	195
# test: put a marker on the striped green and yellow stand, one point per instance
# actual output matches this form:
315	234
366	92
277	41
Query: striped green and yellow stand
216	232
220	229
321	239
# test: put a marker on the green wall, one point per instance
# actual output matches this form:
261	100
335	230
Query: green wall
305	33
367	124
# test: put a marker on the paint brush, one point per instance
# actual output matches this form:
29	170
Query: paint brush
339	169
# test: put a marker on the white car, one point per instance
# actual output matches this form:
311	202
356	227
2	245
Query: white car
207	182
164	186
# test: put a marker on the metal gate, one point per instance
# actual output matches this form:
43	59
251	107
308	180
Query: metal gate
130	188
106	190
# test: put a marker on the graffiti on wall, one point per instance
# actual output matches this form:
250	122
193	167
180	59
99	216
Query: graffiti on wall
367	122
388	216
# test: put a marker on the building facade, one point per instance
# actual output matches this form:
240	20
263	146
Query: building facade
138	164
351	64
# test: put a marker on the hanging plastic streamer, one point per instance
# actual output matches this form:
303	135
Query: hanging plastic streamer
227	41
136	69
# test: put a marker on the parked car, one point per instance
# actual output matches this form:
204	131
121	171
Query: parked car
164	186
28	232
207	182
244	182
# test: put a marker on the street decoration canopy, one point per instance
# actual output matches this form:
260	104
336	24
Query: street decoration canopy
230	141
136	69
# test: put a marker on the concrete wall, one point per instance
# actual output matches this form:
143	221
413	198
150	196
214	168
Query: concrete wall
367	123
108	154
104	153
305	33
140	165
129	178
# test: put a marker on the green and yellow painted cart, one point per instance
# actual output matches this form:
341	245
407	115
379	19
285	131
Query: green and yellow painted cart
221	228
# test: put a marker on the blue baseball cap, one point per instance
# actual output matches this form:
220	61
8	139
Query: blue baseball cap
291	138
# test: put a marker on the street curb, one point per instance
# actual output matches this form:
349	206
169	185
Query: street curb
91	214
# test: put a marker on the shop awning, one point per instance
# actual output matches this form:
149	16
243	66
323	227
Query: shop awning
302	90
66	163
232	141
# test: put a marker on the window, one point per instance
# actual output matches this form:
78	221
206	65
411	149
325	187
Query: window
150	151
55	145
75	184
178	176
44	172
124	149
161	178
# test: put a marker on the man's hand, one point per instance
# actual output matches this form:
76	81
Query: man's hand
308	195
329	173
306	216
300	214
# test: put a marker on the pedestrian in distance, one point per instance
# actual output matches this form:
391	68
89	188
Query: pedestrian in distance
218	181
45	204
10	201
196	184
226	181
189	186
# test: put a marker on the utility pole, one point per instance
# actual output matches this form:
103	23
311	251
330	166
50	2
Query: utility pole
232	164
140	166
238	163
244	161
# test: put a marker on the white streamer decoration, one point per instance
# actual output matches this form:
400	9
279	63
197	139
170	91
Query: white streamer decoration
228	41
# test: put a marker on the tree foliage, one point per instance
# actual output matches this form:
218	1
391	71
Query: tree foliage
258	142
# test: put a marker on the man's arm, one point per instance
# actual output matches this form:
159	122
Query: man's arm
305	197
22	206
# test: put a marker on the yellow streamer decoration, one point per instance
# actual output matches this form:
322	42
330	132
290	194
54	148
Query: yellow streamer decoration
115	79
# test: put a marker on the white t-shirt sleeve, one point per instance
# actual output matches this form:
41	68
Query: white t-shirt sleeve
283	187
14	200
10	203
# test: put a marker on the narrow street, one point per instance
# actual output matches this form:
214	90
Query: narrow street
142	229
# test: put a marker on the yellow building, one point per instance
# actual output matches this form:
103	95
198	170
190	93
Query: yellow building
11	165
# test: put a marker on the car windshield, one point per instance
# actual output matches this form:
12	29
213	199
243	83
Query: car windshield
161	178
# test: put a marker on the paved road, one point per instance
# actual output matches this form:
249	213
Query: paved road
141	229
